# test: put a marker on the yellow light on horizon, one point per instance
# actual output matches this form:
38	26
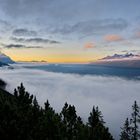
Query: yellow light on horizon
51	56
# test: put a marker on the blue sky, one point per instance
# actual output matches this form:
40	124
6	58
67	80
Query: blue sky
68	30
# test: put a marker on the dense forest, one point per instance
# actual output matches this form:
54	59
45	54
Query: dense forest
21	118
2	84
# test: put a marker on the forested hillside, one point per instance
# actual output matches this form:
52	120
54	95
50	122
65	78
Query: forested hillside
21	118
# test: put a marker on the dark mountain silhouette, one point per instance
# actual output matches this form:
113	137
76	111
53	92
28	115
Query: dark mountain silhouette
3	64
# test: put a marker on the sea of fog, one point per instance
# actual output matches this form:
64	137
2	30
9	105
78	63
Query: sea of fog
82	86
90	69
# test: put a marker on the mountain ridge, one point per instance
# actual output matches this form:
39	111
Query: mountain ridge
5	60
121	56
120	60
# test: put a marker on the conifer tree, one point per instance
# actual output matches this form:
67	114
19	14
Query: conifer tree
24	103
126	133
135	120
73	125
22	118
50	123
97	130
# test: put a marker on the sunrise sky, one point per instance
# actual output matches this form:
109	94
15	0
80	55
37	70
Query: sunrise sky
68	30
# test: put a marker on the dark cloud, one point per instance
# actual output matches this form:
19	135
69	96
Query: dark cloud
24	32
10	46
35	40
14	46
92	27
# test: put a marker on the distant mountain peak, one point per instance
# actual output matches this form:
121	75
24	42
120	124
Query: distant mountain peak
121	56
2	55
5	59
120	60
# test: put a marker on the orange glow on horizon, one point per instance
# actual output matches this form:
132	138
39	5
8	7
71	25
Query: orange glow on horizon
53	56
53	60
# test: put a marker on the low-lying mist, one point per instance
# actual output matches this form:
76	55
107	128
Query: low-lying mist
113	95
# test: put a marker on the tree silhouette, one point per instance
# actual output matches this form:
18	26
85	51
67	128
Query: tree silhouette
130	129
21	118
70	121
126	133
135	120
97	130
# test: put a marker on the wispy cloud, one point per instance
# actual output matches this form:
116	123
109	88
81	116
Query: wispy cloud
5	26
4	23
89	45
35	40
136	35
113	38
24	32
18	46
130	51
92	27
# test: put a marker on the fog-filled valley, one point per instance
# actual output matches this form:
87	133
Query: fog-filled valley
113	95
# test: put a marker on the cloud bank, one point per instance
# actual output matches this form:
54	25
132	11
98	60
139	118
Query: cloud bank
35	40
18	46
24	32
114	96
91	27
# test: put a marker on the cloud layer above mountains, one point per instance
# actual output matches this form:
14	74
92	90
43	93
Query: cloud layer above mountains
113	95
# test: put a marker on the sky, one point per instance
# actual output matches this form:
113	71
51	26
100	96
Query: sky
68	30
